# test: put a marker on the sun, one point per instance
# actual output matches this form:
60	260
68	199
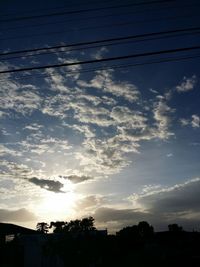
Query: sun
57	206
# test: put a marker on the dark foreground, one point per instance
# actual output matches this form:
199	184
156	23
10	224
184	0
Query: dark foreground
59	250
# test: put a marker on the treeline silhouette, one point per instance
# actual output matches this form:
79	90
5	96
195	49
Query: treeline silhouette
74	226
137	245
78	243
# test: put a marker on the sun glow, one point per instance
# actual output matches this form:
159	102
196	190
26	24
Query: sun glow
57	206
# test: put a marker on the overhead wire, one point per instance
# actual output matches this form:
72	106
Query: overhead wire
108	59
121	41
54	8
100	27
111	67
83	10
98	41
96	17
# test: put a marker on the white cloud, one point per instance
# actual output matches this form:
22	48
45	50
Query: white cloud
195	121
9	151
161	115
20	98
33	127
187	84
184	122
100	53
104	81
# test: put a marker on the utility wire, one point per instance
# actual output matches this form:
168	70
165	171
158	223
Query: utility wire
111	67
104	45
84	10
146	54
101	27
54	8
96	17
99	41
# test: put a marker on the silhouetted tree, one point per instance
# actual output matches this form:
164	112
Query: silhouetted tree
75	226
145	230
42	227
129	232
57	226
87	224
175	228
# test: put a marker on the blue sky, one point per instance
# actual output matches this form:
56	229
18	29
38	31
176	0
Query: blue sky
121	145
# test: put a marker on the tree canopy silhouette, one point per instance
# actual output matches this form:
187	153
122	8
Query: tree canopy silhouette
42	227
74	226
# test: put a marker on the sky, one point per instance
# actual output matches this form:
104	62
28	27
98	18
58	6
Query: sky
119	144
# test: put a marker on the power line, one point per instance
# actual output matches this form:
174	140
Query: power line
99	41
84	10
95	17
121	41
53	8
185	49
165	60
101	26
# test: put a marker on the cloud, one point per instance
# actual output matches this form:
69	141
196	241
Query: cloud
76	178
23	99
89	203
104	81
84	129
16	170
33	127
159	206
178	198
8	151
50	185
99	54
195	121
20	215
105	214
115	219
184	122
161	115
187	84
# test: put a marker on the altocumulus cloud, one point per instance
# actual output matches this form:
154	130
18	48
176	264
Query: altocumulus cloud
187	84
19	215
50	185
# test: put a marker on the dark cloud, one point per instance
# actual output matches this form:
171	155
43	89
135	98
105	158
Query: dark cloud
177	204
180	198
20	215
76	178
54	186
116	219
131	216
